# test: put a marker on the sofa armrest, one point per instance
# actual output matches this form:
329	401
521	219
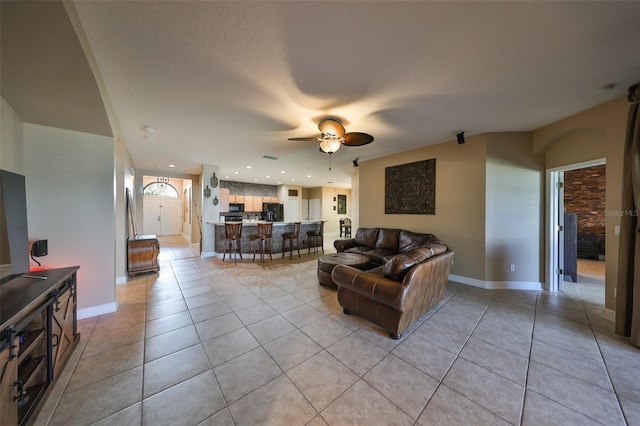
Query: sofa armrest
376	287
342	245
393	293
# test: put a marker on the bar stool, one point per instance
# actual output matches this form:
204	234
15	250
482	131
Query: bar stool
290	236
347	227
315	234
232	240
263	237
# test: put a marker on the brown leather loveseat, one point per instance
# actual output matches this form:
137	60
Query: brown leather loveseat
409	279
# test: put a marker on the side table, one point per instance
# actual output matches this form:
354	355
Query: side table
142	254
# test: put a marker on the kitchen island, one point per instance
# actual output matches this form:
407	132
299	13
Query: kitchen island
250	229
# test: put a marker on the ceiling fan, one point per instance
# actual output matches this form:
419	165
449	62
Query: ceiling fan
334	136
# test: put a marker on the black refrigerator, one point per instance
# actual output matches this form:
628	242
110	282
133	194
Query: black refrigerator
273	212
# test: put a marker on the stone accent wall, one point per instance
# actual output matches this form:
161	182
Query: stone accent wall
254	189
584	194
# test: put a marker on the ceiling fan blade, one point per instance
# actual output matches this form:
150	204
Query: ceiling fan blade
357	139
310	139
331	127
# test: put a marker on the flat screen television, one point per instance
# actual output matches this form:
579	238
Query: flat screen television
14	236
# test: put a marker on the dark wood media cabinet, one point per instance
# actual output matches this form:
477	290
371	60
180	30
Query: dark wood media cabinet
142	254
38	333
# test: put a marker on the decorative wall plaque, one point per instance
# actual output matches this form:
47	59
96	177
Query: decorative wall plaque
411	188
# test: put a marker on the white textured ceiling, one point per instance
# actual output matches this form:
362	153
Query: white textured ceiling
225	83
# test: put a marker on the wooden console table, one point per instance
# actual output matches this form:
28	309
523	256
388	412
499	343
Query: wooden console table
37	336
142	254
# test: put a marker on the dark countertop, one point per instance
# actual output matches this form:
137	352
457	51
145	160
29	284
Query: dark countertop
25	294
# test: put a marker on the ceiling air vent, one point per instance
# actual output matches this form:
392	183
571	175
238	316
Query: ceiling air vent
269	157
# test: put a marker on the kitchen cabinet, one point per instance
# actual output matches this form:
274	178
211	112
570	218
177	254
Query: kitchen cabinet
270	200
252	203
38	333
235	198
248	203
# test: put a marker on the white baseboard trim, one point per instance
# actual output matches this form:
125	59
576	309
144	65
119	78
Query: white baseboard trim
94	311
496	285
608	314
121	280
208	254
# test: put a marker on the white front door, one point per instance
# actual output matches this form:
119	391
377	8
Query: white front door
162	215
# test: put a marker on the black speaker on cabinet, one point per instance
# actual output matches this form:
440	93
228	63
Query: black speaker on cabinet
460	137
39	248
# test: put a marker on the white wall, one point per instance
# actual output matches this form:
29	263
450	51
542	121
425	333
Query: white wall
513	228
10	139
70	201
210	213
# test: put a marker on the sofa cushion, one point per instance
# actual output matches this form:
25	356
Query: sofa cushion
408	240
367	237
397	267
378	255
388	239
358	250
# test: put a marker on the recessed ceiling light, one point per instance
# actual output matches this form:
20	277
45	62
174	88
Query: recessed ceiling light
148	136
236	173
282	171
249	167
267	176
148	128
293	180
255	180
308	175
172	165
226	177
279	182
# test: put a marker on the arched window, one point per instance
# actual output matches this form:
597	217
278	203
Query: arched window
157	189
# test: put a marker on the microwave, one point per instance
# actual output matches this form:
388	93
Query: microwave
236	207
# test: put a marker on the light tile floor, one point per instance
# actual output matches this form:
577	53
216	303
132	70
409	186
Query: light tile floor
211	343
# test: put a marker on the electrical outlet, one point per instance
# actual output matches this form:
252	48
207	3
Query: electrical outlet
617	230
512	267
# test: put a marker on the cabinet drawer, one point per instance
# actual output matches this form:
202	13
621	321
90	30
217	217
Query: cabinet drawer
588	246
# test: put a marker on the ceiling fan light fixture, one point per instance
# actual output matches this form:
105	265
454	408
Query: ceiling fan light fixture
330	145
331	128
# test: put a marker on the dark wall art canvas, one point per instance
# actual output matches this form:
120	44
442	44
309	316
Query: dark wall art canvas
410	188
342	204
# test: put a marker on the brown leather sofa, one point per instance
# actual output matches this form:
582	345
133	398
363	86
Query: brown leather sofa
411	277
